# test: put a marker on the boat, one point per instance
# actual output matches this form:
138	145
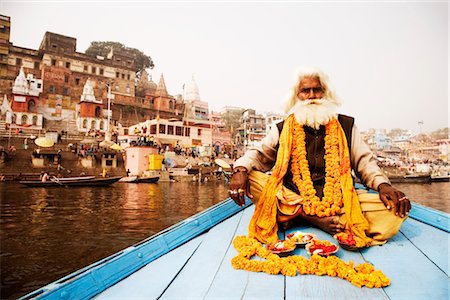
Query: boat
71	182
440	178
148	179
138	179
411	179
128	179
192	260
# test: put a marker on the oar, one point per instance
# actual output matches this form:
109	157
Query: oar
55	179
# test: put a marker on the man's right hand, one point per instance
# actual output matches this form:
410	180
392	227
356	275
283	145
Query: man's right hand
239	186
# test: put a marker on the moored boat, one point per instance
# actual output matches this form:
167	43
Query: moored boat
192	260
139	179
410	179
149	179
71	182
440	178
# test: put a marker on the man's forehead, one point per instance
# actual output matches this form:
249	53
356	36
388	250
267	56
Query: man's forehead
310	80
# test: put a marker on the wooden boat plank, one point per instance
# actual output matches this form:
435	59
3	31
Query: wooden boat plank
228	281
325	287
204	263
433	243
412	274
151	281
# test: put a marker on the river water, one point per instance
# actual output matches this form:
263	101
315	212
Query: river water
49	233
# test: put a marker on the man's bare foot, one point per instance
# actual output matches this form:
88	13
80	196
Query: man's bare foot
327	224
286	221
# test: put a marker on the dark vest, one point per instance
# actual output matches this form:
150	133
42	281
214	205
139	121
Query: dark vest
315	152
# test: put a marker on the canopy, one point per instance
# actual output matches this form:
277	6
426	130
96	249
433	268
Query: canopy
44	142
222	163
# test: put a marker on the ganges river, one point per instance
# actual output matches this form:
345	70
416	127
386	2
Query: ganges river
49	233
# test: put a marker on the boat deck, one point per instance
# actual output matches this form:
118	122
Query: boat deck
416	260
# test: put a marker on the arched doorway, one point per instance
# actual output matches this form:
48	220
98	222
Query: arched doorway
31	106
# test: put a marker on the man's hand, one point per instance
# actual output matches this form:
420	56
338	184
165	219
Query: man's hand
395	199
239	186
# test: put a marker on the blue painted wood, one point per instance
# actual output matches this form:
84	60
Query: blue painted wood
430	216
432	242
228	281
151	281
95	278
412	274
203	264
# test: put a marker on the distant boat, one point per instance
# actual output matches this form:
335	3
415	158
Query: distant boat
440	178
150	179
71	182
410	178
128	179
137	179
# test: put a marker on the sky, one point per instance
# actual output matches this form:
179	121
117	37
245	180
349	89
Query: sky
388	62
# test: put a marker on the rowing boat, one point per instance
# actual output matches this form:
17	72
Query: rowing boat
71	182
192	260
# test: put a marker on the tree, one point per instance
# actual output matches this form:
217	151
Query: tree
232	118
141	60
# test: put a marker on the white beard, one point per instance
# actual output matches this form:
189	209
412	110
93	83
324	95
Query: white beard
315	112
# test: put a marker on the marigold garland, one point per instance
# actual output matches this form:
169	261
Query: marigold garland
331	202
360	275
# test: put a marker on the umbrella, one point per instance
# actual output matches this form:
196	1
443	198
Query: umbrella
222	163
44	142
115	147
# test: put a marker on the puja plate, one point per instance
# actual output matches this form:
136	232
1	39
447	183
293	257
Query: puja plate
322	248
281	247
301	238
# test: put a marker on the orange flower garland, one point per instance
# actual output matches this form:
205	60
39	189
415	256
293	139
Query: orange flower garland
361	275
331	202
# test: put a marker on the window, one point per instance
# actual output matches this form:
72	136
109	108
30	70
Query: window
24	119
54	47
101	71
39	85
36	65
170	129
171	106
128	76
18	62
31	106
52	89
123	76
179	130
199	132
77	81
162	128
93	70
117	74
66	78
85	68
93	124
53	62
66	91
188	131
117	87
128	89
67	65
35	119
84	123
97	112
153	129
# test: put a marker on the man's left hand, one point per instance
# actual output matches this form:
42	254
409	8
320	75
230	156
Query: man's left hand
395	199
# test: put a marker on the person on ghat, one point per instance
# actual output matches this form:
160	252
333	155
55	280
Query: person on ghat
311	155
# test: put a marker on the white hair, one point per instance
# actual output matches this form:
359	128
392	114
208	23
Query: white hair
309	72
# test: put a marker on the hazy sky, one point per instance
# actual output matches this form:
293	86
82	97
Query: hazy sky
387	61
